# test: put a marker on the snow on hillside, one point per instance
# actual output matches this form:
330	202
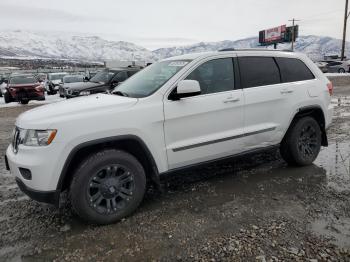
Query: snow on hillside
93	48
314	46
29	44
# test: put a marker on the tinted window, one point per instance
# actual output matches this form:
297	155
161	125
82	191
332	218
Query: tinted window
120	77
130	73
293	69
258	71
214	76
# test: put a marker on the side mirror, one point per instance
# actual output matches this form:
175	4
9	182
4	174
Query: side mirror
114	83
186	88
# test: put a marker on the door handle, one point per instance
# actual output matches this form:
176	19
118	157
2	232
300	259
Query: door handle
287	91
231	100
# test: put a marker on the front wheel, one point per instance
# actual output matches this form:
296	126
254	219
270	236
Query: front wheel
302	142
341	70
108	186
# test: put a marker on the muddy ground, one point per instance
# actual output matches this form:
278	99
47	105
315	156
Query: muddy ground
251	209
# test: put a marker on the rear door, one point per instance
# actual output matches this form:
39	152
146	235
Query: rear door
266	100
209	125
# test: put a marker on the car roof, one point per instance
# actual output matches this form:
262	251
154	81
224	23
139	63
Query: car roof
123	69
19	74
58	73
257	51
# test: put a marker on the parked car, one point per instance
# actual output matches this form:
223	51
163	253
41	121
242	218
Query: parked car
104	81
68	79
338	66
175	114
53	82
3	84
322	66
23	88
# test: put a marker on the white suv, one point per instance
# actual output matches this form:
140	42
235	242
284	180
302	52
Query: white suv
177	113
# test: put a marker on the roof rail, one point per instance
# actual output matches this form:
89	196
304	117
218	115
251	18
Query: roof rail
255	49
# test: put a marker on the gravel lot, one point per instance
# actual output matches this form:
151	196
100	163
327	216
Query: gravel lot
251	209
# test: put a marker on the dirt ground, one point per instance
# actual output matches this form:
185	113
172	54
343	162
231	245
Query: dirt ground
251	209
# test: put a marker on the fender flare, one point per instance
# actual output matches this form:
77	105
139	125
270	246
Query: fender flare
65	170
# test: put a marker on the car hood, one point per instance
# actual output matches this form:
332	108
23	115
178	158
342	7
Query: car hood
82	85
19	86
88	107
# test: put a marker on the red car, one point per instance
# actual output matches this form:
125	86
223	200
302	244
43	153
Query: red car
23	88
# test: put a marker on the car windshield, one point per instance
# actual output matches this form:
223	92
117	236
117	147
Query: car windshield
18	80
102	76
73	79
57	77
150	79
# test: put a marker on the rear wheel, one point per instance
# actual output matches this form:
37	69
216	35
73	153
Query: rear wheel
341	70
7	98
302	142
108	186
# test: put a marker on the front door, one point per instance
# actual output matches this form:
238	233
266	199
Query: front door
207	126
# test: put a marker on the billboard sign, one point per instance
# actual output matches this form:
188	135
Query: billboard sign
275	34
279	34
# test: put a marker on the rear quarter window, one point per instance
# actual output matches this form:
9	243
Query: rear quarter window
293	69
258	71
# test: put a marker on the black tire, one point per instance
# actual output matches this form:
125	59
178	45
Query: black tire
302	142
341	70
7	98
107	186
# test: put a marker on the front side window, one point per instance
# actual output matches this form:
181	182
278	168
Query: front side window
293	70
102	76
120	77
214	76
258	71
150	79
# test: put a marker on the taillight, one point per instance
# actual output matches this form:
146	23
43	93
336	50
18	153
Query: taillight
39	88
330	88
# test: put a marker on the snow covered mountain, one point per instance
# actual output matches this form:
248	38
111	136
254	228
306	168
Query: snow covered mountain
93	48
314	46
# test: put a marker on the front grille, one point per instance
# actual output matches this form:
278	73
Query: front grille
16	140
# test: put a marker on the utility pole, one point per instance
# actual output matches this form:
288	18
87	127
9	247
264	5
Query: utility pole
293	31
346	15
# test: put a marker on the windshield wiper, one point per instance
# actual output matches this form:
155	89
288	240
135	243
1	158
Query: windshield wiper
120	93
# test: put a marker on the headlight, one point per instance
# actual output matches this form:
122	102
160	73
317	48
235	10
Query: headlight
84	93
31	137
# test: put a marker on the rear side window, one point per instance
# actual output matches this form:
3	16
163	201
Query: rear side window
293	70
258	71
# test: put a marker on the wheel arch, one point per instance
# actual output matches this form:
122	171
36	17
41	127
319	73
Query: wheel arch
316	112
129	143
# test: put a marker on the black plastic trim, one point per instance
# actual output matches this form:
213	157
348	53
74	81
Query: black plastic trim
234	156
64	172
7	164
222	139
50	197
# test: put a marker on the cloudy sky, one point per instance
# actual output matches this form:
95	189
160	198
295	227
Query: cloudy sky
161	23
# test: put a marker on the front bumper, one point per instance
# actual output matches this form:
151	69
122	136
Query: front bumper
42	185
50	197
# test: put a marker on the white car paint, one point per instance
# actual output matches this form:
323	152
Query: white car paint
171	129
